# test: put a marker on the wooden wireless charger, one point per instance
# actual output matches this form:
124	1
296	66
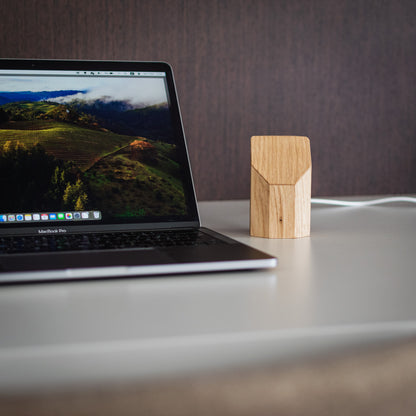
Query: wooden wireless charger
281	177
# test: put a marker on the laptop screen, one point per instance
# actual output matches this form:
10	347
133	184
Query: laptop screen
89	143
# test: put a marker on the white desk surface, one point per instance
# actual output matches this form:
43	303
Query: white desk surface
353	282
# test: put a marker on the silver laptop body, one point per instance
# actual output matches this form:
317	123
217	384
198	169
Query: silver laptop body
92	154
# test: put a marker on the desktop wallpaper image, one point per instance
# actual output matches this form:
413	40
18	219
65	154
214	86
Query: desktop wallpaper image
88	143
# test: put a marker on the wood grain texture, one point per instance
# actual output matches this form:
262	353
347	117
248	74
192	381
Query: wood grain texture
341	73
260	194
368	381
281	159
280	197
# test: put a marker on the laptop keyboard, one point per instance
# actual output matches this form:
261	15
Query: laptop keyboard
104	241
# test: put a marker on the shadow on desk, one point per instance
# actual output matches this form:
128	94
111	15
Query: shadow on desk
371	382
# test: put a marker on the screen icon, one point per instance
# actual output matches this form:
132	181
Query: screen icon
36	217
44	217
97	215
68	215
11	217
3	218
19	217
52	216
61	216
28	217
85	215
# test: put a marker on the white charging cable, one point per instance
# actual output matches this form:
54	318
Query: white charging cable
362	203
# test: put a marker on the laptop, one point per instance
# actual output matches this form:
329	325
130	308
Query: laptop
95	178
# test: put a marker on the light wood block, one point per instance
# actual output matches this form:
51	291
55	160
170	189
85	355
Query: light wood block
281	177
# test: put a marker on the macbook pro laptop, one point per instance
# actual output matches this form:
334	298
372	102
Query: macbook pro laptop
95	180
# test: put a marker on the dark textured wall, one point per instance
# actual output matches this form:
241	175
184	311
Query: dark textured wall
341	72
